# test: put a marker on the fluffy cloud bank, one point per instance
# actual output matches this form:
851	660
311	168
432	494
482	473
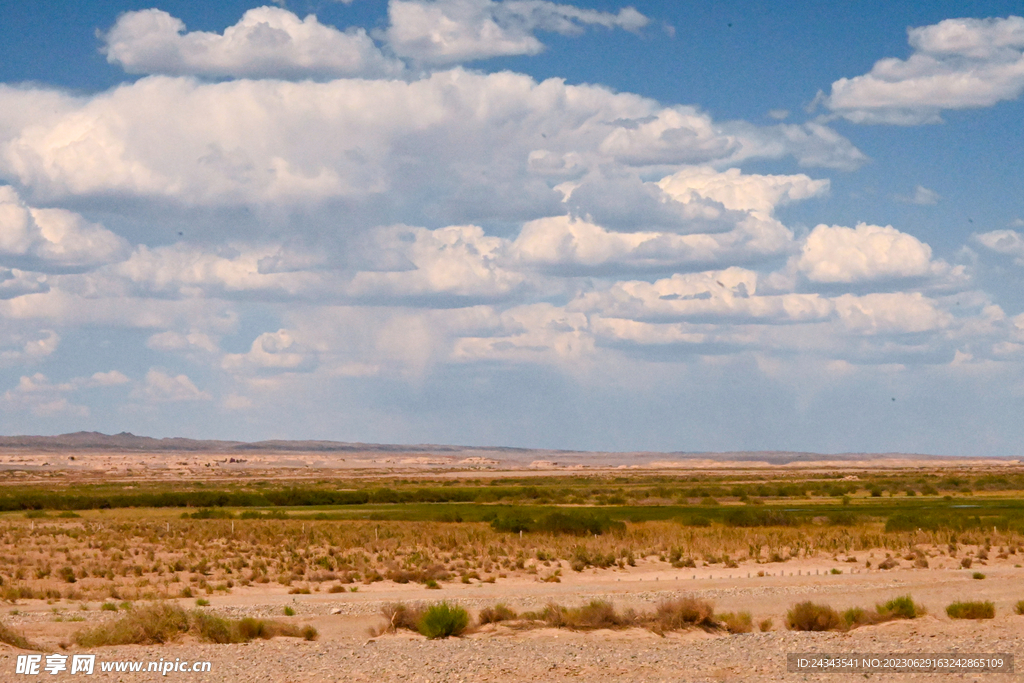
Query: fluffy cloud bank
46	239
268	42
956	64
284	214
833	254
361	141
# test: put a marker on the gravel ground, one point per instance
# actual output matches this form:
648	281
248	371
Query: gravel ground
346	653
550	655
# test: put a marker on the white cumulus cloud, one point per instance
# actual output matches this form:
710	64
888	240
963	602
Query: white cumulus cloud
267	42
1008	242
44	239
956	64
438	32
838	254
361	141
162	387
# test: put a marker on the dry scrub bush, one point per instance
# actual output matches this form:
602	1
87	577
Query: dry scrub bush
12	637
673	615
399	615
496	614
971	610
808	616
739	622
163	623
597	614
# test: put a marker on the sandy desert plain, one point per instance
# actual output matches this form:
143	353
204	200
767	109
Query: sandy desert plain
313	561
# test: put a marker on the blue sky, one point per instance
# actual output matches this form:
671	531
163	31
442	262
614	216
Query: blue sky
665	226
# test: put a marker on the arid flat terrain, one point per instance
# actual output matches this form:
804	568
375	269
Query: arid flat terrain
338	568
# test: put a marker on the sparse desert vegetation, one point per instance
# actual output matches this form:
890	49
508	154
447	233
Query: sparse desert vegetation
185	565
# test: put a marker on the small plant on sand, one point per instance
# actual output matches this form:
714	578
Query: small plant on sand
163	623
902	607
740	622
289	612
673	615
1019	607
971	610
12	637
496	614
399	615
808	616
594	615
443	620
977	575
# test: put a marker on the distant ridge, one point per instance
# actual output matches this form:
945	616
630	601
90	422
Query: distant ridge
126	442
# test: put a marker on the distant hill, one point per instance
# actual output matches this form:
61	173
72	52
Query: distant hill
128	442
125	442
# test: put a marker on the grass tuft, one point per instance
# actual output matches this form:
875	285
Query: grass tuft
971	610
12	637
163	623
496	614
443	620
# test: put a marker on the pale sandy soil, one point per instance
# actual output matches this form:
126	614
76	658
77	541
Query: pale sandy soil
346	651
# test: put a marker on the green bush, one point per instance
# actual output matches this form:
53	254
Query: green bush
1019	607
443	620
747	517
902	607
513	521
808	616
971	610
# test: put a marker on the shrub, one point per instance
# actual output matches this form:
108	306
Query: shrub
594	615
745	517
977	575
808	616
858	616
163	623
442	620
966	563
513	521
902	607
202	602
496	614
889	563
765	625
672	615
971	610
740	622
1019	607
289	612
12	637
399	615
